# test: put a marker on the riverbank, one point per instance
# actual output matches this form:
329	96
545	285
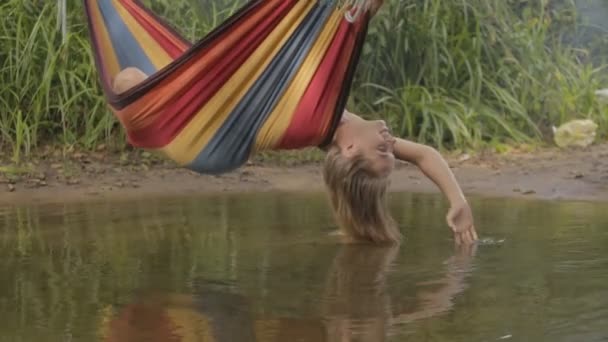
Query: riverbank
580	174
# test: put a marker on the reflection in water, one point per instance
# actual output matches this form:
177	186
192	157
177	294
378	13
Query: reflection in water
355	306
261	267
207	316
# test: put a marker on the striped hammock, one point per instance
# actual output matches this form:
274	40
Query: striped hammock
275	75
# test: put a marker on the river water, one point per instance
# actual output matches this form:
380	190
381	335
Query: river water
264	267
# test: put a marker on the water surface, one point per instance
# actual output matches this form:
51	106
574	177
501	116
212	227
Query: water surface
261	267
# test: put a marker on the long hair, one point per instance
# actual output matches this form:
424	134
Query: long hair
359	198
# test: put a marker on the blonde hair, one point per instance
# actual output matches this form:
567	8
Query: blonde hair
359	198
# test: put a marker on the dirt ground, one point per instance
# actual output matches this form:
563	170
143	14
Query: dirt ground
580	174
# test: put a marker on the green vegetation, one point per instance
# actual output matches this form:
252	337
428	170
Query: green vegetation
466	72
49	90
456	74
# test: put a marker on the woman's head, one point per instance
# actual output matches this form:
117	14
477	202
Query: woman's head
356	172
367	140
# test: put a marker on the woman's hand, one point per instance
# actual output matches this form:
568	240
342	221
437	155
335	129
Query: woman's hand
374	6
460	220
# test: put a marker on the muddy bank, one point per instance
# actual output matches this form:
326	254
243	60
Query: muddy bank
546	174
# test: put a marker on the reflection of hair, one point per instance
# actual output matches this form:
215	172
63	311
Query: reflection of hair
357	280
356	300
358	198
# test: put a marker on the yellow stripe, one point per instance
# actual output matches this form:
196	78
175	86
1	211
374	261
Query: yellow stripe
157	55
203	126
106	49
105	318
279	120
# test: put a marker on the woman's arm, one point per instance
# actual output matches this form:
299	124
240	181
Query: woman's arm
432	164
441	300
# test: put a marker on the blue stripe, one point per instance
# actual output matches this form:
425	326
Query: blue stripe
231	146
128	50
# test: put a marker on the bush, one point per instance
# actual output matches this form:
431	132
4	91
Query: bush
448	73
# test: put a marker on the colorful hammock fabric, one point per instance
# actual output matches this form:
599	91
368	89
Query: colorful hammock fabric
275	75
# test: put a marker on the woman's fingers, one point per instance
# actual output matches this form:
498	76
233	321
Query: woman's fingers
475	237
468	237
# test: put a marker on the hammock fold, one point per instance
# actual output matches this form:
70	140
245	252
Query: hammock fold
275	75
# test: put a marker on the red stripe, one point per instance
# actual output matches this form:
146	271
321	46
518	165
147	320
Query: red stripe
205	83
318	103
335	88
157	33
160	21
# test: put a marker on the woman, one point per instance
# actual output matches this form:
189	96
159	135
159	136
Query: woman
356	173
357	170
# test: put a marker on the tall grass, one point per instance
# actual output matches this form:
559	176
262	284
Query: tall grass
48	90
450	73
461	73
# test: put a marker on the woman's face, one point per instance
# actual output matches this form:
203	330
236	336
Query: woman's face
370	139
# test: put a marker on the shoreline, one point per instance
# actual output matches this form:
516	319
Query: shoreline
547	174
